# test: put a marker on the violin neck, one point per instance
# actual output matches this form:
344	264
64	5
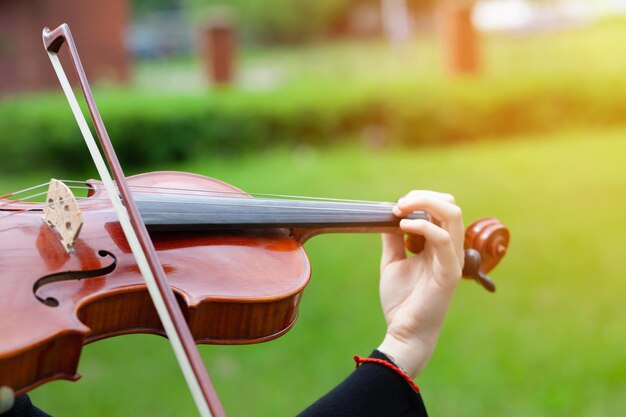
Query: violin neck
190	212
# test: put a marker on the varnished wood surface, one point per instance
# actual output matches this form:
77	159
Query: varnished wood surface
232	288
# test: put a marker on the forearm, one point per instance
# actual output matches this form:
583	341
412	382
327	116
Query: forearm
372	390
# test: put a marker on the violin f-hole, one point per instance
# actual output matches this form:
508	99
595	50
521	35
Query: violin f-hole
72	275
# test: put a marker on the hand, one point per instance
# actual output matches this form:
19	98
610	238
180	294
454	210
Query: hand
415	291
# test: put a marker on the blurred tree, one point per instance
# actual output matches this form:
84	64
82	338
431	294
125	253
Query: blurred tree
278	20
142	6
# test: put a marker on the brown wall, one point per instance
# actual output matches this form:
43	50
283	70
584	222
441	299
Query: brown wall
97	27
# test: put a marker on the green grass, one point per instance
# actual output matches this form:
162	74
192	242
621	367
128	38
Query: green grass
550	342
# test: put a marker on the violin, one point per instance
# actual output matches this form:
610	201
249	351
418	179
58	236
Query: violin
234	263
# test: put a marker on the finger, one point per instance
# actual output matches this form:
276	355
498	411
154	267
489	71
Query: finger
416	199
393	248
441	242
449	214
443	196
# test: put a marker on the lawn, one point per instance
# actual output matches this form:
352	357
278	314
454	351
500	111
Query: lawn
549	342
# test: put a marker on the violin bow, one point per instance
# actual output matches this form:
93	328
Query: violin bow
169	312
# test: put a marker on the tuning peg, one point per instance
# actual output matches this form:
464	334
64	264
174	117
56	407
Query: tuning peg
471	270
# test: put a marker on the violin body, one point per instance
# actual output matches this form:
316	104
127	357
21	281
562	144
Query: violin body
234	287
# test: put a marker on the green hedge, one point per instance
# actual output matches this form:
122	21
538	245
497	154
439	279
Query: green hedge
149	130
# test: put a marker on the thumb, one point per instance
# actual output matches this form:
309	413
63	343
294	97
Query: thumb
393	248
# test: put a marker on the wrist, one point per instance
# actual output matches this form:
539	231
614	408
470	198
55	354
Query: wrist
410	357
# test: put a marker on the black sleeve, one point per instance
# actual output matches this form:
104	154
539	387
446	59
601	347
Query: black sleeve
24	408
372	390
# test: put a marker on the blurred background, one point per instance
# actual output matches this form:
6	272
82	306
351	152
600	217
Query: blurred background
517	107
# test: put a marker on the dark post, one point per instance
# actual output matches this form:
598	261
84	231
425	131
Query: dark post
459	40
219	51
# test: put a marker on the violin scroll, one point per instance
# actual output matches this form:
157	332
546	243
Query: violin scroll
486	243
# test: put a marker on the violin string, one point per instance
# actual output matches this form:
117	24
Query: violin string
380	209
318	210
34	207
192	191
383	207
29	197
374	207
223	214
34	187
15	193
377	207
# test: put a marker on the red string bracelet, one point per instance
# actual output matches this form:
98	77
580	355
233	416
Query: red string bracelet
359	360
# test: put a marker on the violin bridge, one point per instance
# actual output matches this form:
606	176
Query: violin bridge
62	213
